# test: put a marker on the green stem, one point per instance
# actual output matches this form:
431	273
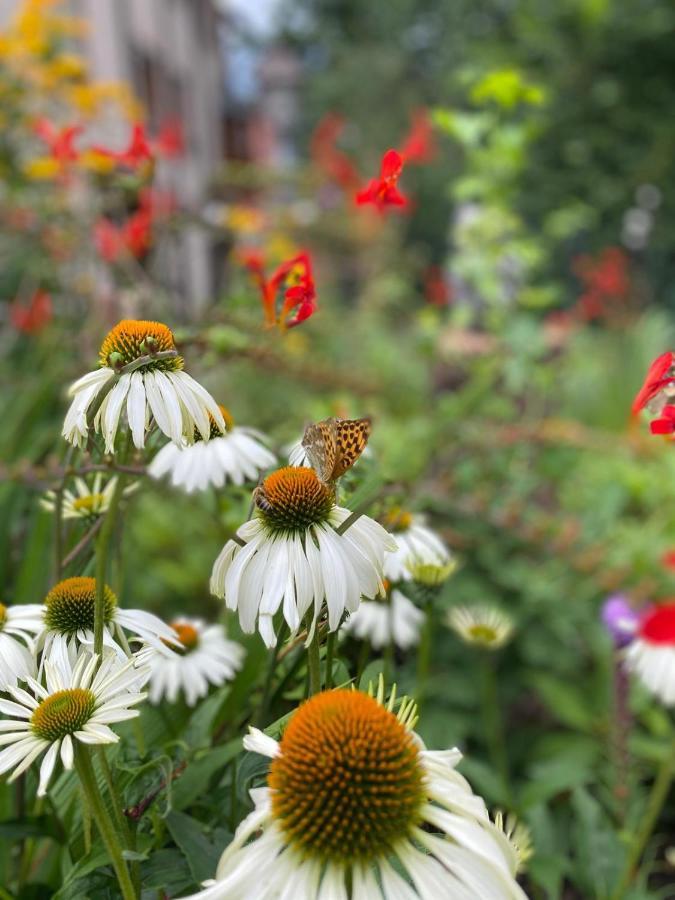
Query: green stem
85	770
362	662
330	653
58	514
492	721
657	797
102	547
126	832
424	654
314	665
233	797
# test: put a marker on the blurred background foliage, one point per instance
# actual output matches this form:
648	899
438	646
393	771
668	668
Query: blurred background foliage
500	399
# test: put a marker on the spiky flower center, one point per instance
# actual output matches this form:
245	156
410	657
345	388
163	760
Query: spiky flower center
215	431
187	635
3	615
348	782
90	504
70	605
293	498
62	713
130	339
397	519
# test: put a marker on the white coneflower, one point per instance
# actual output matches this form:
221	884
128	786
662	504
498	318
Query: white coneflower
205	657
18	626
160	389
416	544
238	456
395	620
294	559
355	806
483	626
77	704
651	655
85	502
68	621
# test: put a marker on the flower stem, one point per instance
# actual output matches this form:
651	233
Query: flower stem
102	547
330	653
108	833
492	721
424	653
657	797
314	665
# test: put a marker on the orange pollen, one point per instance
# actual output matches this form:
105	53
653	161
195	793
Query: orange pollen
348	782
130	339
3	615
294	498
187	635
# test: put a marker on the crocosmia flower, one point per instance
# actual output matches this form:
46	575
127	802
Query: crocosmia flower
31	318
293	278
419	146
383	192
659	376
665	424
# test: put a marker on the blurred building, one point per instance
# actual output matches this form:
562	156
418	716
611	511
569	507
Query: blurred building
169	51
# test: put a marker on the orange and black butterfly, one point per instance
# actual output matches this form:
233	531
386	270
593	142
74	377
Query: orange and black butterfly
334	445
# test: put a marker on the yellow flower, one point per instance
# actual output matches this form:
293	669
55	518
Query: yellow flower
93	161
42	168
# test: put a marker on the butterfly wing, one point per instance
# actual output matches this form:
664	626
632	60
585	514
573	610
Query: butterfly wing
351	439
320	443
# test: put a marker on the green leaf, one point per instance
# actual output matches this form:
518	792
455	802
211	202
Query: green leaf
167	869
194	781
570	705
201	855
31	826
599	855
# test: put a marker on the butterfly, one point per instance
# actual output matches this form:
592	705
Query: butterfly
334	445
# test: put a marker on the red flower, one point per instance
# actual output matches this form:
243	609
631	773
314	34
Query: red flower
296	279
605	279
328	157
170	140
436	288
657	625
419	145
58	140
655	380
137	152
383	192
31	318
666	424
300	294
133	237
668	559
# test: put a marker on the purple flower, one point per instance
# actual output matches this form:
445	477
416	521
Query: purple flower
620	619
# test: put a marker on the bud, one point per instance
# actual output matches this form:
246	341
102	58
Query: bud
115	360
431	575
